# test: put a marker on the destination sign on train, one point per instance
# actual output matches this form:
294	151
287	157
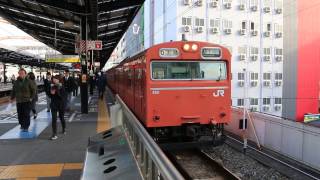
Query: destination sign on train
169	52
211	52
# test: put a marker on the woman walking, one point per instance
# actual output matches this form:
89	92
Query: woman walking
58	97
34	100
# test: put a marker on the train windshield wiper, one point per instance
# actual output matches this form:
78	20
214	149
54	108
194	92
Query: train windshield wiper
220	75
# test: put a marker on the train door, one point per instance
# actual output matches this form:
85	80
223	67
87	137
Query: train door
143	93
138	92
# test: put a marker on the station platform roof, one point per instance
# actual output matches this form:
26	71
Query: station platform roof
57	23
11	56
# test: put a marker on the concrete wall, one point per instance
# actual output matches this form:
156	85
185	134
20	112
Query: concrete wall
293	139
290	48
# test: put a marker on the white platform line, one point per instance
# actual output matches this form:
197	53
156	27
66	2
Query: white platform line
72	117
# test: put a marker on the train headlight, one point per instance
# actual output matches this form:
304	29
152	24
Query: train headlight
194	47
186	47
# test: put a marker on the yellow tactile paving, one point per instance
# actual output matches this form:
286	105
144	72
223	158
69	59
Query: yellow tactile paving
70	166
32	171
103	117
2	168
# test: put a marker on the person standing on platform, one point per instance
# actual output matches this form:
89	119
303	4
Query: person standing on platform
91	81
76	83
23	91
47	86
69	85
13	79
101	84
58	96
32	79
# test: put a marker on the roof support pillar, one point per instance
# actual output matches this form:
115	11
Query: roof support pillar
84	68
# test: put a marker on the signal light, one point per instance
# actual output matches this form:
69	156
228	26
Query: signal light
190	47
186	47
194	47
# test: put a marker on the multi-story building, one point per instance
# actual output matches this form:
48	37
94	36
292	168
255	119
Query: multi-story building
251	29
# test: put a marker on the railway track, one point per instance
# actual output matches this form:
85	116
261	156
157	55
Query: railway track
292	169
197	164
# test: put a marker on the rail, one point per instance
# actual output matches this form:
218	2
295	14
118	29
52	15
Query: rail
153	163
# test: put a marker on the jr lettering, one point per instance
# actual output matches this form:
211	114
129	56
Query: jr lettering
218	93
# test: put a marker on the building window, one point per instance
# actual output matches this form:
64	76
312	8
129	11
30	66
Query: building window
268	27
254	51
266	101
215	23
278	5
254	102
240	102
267	79
254	5
278	76
242	5
267	76
278	79
241	76
199	22
277	101
266	51
278	30
278	51
254	79
254	76
227	24
186	21
244	25
252	26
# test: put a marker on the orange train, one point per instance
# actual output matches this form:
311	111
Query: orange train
178	90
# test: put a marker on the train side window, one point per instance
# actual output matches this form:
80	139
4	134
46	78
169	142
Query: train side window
139	74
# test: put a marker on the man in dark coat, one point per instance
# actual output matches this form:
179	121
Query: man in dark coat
69	85
23	91
47	86
101	84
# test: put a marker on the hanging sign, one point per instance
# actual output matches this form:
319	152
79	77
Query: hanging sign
62	58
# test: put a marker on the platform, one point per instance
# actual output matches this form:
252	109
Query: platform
33	156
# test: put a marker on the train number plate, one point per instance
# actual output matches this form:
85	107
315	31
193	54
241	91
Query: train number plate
155	92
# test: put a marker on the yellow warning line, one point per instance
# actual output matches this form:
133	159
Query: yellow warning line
103	117
34	171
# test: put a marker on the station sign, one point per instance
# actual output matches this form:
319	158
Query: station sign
96	64
62	59
94	45
89	45
311	117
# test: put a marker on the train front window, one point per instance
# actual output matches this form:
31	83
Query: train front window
208	70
